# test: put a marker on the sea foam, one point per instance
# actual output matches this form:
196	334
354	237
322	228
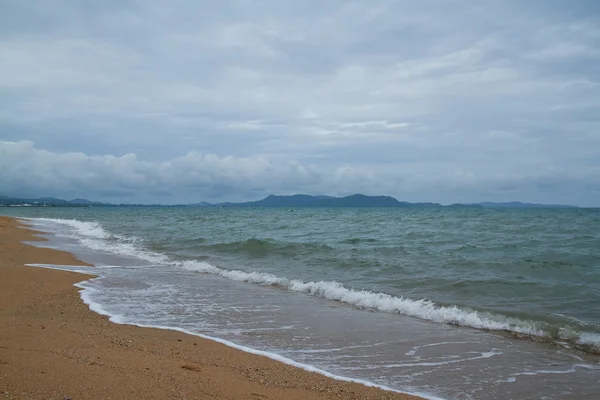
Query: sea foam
331	290
93	236
87	295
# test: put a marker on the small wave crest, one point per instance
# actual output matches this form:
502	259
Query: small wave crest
89	229
92	235
262	247
357	240
422	309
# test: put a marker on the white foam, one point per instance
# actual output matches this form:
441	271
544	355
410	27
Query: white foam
126	249
557	372
86	229
487	354
93	236
331	290
589	339
415	349
87	297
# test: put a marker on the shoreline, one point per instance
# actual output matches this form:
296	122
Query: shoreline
53	346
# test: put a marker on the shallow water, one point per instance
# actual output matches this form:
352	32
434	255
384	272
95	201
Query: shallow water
370	294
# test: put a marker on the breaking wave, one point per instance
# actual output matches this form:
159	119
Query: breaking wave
92	235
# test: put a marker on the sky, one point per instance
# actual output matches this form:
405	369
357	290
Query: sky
147	101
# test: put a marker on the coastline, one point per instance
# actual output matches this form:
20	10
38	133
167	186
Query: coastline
53	346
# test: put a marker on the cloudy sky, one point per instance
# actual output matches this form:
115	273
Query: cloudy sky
184	101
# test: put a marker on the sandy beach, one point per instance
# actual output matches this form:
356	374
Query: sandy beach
53	347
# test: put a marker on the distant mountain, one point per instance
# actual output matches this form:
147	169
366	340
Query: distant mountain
84	201
293	201
361	200
459	206
51	200
302	200
46	201
355	200
518	204
201	204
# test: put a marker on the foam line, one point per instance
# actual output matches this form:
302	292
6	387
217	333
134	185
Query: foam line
87	293
92	235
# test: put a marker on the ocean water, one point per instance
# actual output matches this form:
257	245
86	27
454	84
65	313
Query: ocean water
452	304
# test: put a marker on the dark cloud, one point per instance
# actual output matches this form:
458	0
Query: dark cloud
435	100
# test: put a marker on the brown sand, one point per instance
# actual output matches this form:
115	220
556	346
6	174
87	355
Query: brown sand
53	347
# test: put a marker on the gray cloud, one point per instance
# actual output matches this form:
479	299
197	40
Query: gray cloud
196	176
435	101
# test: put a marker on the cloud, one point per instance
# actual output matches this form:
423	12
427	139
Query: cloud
477	93
27	170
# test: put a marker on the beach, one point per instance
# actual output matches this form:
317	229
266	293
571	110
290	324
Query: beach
53	347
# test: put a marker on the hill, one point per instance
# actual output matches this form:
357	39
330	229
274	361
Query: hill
355	200
518	204
293	201
46	202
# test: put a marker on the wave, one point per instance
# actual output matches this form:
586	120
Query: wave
87	294
92	235
84	228
481	284
262	247
422	309
358	240
332	290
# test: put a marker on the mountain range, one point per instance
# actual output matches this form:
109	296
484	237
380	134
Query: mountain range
293	201
48	201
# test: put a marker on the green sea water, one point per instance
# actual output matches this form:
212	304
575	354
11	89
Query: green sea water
526	273
540	265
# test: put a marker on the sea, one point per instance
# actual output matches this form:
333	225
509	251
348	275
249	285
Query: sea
443	303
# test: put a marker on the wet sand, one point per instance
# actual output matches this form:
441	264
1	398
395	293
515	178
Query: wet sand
53	347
